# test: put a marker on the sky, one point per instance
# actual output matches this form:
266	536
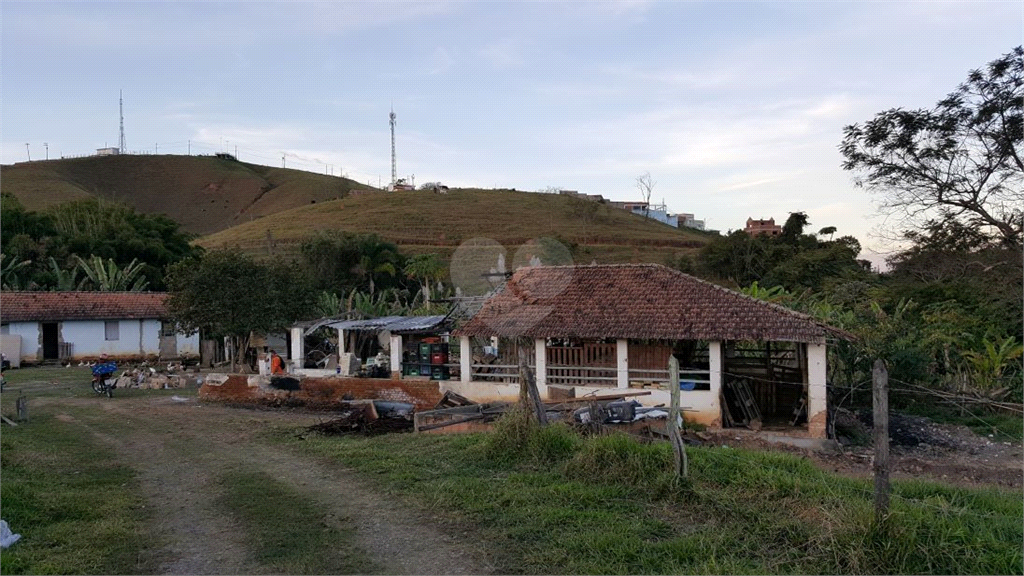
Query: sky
735	109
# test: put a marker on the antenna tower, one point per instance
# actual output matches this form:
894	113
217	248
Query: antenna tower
394	164
121	147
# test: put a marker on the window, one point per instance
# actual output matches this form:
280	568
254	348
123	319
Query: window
112	330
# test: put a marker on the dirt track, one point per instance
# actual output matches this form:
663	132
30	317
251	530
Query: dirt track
179	447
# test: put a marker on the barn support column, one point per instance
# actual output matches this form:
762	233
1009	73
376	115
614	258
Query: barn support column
396	356
541	363
465	359
622	362
298	348
715	366
817	402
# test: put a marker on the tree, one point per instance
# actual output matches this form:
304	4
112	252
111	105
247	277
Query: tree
426	269
645	185
959	162
106	276
226	294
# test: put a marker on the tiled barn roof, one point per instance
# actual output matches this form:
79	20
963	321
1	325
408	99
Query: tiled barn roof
61	306
634	301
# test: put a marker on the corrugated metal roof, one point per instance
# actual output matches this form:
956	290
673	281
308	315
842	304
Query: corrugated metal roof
397	324
637	301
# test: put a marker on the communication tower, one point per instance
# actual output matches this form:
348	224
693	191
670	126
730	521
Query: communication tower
394	163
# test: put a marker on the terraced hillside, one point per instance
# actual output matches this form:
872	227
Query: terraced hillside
428	222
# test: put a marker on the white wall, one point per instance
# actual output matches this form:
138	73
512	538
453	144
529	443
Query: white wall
88	337
187	345
31	343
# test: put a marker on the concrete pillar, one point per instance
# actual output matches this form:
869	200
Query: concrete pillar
716	363
622	362
817	403
396	355
540	353
298	348
465	359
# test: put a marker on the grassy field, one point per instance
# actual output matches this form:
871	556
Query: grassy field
536	500
76	507
609	506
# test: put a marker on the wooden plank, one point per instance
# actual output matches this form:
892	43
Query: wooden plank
425	427
618	396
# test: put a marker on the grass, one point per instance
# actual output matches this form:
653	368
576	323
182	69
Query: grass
551	502
426	222
287	530
77	509
998	426
228	201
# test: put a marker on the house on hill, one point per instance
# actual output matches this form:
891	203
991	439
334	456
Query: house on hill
46	326
588	329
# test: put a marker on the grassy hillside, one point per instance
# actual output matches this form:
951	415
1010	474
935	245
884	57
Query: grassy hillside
264	210
427	222
205	194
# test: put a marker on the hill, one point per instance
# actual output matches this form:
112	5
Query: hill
427	222
204	194
269	211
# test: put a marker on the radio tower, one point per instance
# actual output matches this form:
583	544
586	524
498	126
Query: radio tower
121	110
394	164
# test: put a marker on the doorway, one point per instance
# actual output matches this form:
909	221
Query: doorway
51	347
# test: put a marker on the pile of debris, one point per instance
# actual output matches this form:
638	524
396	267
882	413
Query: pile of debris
368	418
457	413
150	378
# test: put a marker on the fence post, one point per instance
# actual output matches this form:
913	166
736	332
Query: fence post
880	403
678	448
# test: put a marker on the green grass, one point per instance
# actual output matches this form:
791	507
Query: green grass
78	511
609	505
1001	426
287	530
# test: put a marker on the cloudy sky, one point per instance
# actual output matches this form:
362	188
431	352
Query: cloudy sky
734	108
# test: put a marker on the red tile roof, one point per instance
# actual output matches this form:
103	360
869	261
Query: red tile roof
61	306
635	301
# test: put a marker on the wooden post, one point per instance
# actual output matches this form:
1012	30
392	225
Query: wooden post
880	402
678	448
22	407
528	384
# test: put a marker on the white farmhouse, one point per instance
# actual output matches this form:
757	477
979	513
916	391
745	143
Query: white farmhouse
43	326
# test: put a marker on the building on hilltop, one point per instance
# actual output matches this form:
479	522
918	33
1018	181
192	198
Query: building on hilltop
110	151
758	227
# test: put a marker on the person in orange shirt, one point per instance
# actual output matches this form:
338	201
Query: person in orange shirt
276	363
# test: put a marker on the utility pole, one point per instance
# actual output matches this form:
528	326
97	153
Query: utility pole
46	145
190	147
156	148
236	151
282	160
28	152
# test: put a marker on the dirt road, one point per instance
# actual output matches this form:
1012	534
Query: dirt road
179	447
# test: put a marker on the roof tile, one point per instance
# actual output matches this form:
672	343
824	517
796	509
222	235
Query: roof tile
61	306
634	301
